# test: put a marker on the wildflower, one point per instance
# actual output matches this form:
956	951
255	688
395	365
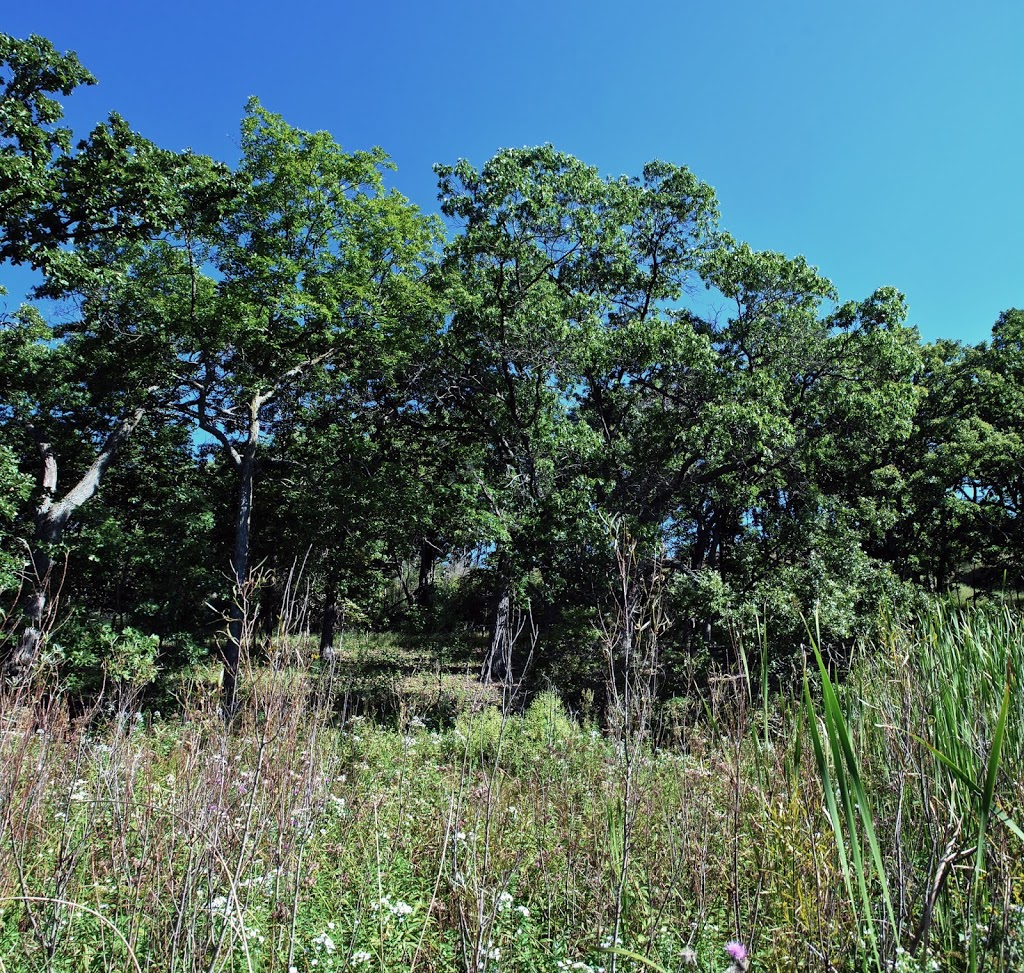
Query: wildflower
324	942
360	956
738	954
737	951
688	956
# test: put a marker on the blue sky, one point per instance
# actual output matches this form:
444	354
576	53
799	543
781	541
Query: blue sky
882	140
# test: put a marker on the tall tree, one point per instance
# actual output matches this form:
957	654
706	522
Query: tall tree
738	442
530	222
317	294
80	216
559	280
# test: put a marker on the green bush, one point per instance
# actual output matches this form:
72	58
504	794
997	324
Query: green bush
92	655
517	740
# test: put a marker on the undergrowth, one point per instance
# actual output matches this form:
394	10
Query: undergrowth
446	832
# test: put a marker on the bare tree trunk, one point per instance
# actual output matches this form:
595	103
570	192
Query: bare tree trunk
52	516
497	665
329	622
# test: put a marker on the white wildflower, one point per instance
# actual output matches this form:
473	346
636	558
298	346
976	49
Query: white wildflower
324	942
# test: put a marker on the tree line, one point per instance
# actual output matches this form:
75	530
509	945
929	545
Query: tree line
282	369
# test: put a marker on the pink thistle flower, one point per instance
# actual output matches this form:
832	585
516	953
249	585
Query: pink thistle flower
737	952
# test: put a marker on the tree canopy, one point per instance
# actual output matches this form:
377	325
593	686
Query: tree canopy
283	362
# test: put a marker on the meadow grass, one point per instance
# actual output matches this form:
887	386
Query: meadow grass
394	815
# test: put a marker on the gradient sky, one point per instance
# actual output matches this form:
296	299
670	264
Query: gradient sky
884	141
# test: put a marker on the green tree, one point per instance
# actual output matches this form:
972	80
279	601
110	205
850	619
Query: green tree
74	393
960	474
748	444
531	224
562	286
14	490
357	490
145	549
993	485
828	497
934	533
317	294
31	72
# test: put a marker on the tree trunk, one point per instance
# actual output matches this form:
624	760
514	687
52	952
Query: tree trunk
497	666
52	516
425	585
36	581
329	622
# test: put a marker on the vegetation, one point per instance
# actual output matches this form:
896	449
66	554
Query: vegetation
358	819
637	561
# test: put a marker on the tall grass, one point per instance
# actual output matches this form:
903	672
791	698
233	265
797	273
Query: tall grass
936	715
970	666
866	819
849	813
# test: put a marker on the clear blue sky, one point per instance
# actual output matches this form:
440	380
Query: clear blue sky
882	140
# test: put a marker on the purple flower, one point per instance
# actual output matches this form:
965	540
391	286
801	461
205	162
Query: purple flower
737	951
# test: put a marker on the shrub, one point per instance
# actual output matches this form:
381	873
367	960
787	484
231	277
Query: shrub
90	655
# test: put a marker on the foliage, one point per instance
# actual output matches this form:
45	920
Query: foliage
284	363
274	397
14	490
165	841
489	736
90	656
